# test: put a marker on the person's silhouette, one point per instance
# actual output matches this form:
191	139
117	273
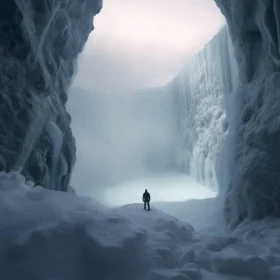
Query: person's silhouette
146	199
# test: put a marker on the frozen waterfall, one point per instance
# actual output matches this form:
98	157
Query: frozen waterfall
201	91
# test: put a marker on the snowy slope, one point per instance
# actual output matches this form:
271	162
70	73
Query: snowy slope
203	214
55	235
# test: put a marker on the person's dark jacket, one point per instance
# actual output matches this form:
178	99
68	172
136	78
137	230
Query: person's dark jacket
146	197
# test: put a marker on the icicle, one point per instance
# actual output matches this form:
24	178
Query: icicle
57	138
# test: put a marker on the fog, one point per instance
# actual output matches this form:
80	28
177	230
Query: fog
164	187
145	43
119	138
123	113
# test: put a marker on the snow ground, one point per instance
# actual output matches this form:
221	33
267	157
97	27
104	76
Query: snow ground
169	187
54	235
203	214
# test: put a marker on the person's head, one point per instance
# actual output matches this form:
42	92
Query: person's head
146	190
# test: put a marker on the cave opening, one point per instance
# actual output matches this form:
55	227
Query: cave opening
126	110
155	105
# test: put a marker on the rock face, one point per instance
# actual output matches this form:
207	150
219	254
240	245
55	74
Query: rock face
39	45
253	182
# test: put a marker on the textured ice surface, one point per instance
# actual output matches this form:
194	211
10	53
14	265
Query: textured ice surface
252	182
56	235
40	42
202	90
217	96
56	136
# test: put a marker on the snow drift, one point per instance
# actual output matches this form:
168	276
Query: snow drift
57	235
40	42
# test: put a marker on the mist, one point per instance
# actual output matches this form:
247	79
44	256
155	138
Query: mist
122	105
121	137
139	44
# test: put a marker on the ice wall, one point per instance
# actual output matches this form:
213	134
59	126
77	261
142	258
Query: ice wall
253	181
40	42
202	90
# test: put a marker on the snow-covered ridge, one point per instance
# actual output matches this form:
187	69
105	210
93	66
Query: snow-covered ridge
201	91
40	42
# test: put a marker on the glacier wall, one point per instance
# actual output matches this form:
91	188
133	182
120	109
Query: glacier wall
40	42
253	168
202	90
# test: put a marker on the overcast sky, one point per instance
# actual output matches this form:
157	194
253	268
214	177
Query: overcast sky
142	43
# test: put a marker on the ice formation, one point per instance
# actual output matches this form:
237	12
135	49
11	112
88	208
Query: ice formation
229	123
40	42
253	185
227	111
56	136
57	235
202	90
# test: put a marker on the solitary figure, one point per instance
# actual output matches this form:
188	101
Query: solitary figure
146	199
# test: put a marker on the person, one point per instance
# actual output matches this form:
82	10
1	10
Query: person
146	199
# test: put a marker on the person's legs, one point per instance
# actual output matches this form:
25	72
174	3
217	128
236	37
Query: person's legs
145	205
148	205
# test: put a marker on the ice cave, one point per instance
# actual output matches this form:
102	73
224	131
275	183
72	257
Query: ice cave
82	135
